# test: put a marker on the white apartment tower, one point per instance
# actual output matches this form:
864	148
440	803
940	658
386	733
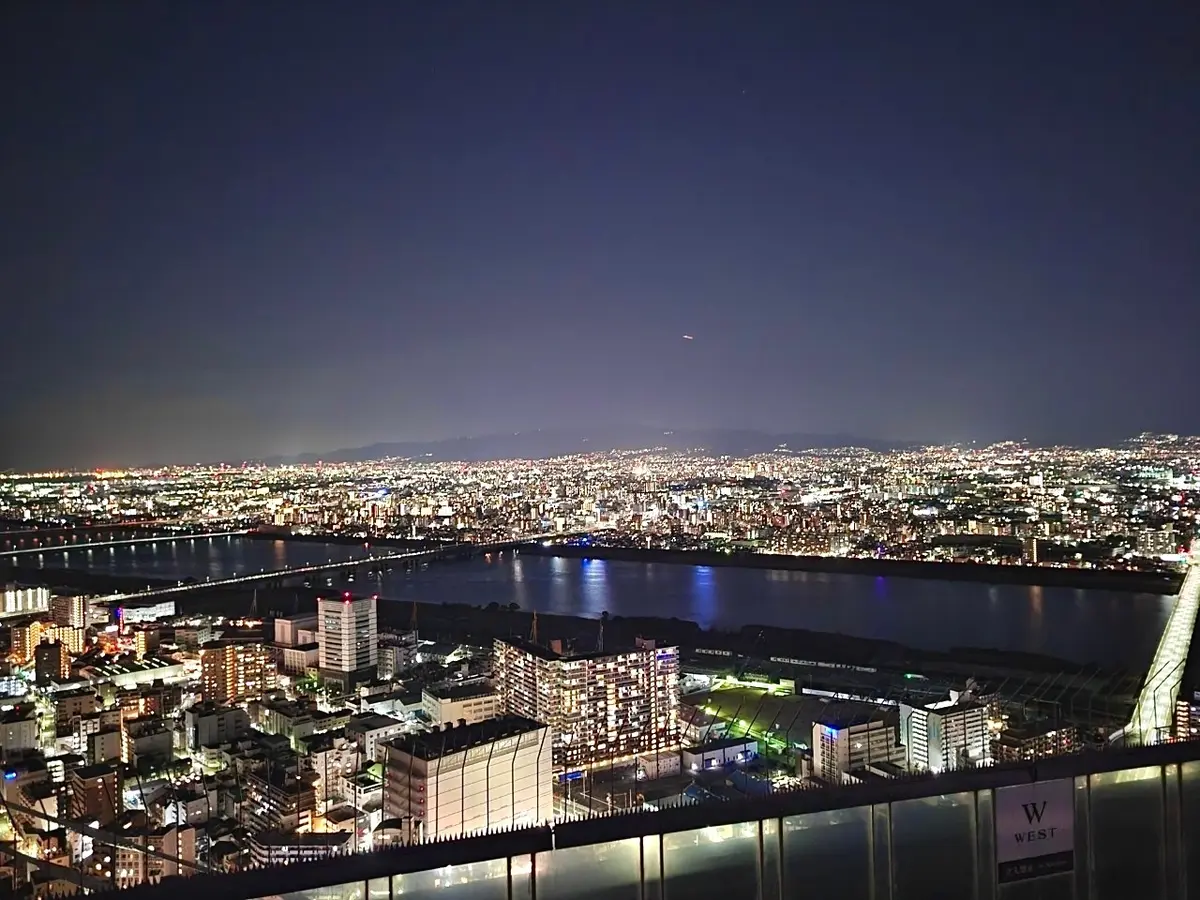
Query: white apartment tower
850	736
348	635
948	734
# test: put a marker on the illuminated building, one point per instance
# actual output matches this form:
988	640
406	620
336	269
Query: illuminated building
25	639
1030	742
52	662
495	774
69	612
74	638
145	641
23	601
233	672
599	706
453	703
347	631
948	734
397	652
95	793
280	800
145	738
848	736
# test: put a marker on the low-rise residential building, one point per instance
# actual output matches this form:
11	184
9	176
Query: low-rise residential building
211	725
469	702
370	731
1025	743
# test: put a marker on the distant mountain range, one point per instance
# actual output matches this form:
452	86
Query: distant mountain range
542	444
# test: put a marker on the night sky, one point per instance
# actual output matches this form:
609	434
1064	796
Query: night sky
234	229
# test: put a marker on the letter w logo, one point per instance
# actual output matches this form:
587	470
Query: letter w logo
1033	812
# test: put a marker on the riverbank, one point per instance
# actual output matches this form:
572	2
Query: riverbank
1042	576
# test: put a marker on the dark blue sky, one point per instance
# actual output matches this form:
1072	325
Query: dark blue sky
242	228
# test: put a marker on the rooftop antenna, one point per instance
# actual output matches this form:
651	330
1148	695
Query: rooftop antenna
533	629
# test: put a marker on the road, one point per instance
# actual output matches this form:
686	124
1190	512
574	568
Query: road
319	568
1153	717
100	545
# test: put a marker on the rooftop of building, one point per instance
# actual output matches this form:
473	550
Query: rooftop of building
949	707
22	713
100	770
126	666
370	722
302	839
1032	730
454	692
557	650
848	714
726	743
298	618
429	745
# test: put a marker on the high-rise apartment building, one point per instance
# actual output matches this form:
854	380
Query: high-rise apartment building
52	662
347	632
95	794
600	707
233	672
16	600
69	612
948	734
25	639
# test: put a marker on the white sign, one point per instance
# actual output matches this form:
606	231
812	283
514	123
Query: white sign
1035	829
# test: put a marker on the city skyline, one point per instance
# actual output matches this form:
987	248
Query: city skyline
239	230
551	444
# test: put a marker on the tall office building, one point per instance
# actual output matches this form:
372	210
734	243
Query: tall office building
948	734
600	707
233	672
347	632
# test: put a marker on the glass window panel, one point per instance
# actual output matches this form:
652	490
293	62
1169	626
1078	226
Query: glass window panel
474	881
351	890
609	871
985	834
1127	833
1189	800
1083	835
772	864
521	872
1173	853
652	867
933	847
881	862
719	862
379	889
829	852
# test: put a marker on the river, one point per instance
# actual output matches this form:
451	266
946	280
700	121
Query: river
1107	627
